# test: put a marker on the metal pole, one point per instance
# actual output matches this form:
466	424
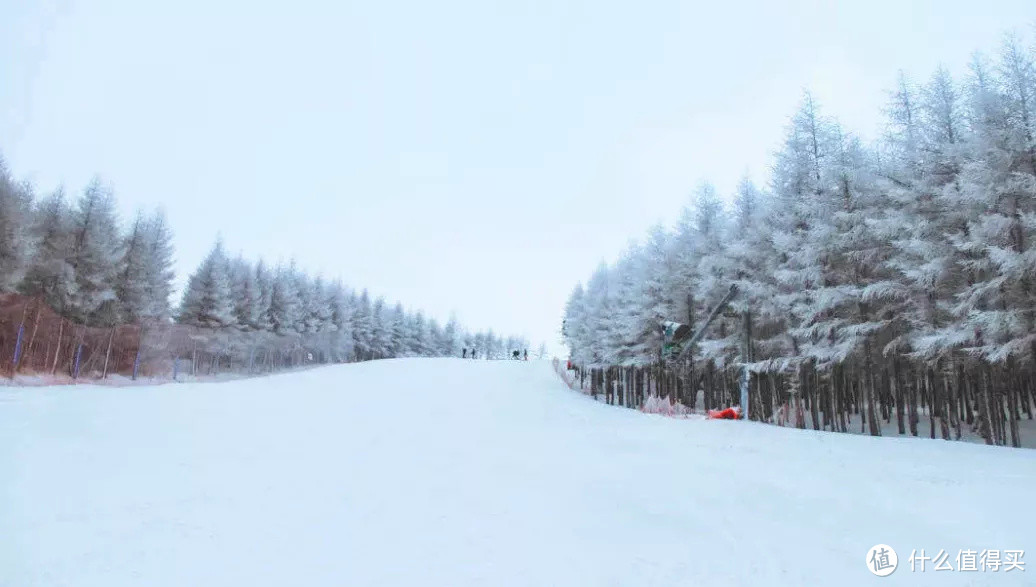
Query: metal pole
705	325
744	391
746	358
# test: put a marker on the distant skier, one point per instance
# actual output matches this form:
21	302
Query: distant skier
515	354
526	354
464	354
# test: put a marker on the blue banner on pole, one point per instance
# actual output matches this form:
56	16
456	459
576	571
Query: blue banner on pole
18	346
79	354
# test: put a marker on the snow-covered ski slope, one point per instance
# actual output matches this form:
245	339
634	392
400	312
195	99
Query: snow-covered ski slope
452	472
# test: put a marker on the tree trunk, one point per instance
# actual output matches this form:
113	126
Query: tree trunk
107	353
809	380
912	404
987	407
963	389
869	390
57	350
932	395
1012	412
32	337
953	393
897	387
944	405
843	407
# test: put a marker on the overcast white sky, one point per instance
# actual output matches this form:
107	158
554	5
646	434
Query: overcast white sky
461	155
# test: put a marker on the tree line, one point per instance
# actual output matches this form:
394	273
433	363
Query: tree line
75	257
874	278
78	259
234	293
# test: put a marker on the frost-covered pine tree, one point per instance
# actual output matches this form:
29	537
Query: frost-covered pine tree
50	273
143	281
410	346
418	335
906	225
322	306
308	319
999	178
94	258
435	342
753	258
363	326
131	284
15	210
286	315
925	212
158	268
397	325
264	297
803	199
576	328
711	270
478	345
208	299
450	333
245	293
654	301
381	331
626	292
341	320
601	308
1015	259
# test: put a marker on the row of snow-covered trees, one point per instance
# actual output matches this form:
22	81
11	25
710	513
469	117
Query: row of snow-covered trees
874	275
232	293
75	257
78	259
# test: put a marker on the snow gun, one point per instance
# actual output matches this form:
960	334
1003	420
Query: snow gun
676	353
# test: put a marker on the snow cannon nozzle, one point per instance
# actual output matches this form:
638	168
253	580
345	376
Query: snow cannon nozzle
674	332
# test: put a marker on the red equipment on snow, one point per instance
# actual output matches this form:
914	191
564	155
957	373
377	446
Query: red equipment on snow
727	414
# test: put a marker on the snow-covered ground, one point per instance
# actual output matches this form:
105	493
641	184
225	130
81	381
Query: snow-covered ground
452	472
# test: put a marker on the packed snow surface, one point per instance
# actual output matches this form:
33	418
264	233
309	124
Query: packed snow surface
453	472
